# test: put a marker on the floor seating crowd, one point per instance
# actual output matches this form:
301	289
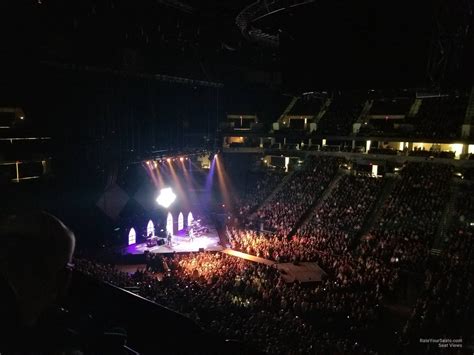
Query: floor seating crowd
249	302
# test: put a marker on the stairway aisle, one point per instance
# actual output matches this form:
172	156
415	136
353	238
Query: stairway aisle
445	221
304	218
273	193
289	108
469	118
374	214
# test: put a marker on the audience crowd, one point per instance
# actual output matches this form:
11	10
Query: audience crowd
421	152
339	218
299	193
250	302
343	313
330	228
401	237
258	187
408	221
445	309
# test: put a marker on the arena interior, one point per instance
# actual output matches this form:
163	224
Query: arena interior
237	177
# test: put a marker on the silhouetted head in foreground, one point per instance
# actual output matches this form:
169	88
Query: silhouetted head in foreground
35	254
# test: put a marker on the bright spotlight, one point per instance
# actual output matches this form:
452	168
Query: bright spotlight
168	160
166	197
181	159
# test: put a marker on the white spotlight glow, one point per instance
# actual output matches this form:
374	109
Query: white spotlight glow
166	197
132	236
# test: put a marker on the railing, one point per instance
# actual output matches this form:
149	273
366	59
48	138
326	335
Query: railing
108	304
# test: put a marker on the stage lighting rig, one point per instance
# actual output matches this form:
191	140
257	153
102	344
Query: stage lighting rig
176	156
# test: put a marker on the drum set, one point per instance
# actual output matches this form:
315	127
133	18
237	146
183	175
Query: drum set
196	229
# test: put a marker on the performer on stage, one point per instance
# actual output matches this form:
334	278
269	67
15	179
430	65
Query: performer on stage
169	239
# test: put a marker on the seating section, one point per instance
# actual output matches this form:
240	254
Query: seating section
330	229
249	302
7	119
282	212
384	151
444	308
431	153
341	114
306	105
408	222
339	219
395	106
258	186
347	311
440	117
383	127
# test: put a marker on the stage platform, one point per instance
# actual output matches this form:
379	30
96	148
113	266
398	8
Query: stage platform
302	272
249	257
180	244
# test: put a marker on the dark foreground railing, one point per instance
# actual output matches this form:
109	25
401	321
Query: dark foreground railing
149	328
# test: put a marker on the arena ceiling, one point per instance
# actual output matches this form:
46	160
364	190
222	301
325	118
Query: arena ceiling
319	41
184	38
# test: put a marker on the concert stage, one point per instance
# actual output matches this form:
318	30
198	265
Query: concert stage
180	244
